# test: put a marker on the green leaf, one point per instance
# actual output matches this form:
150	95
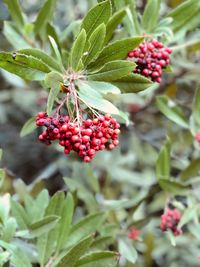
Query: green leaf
196	107
27	67
184	13
172	187
84	227
132	83
1	154
115	51
53	79
93	99
113	22
56	51
28	127
14	38
97	15
172	112
172	238
2	177
51	99
9	230
15	12
20	215
4	257
47	242
71	257
163	165
102	87
4	207
95	44
113	70
44	16
40	55
65	221
127	250
151	15
20	259
39	227
77	50
188	215
98	259
191	170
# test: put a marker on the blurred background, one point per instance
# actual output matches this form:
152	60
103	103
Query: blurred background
127	172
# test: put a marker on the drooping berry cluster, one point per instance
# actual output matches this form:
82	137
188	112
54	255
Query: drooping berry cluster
170	220
151	58
86	139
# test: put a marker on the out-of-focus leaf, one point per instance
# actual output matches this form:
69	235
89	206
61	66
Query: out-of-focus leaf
184	13
103	87
28	127
4	207
188	215
152	9
191	170
53	80
96	16
173	187
15	12
51	99
196	107
44	16
127	250
113	70
163	162
172	112
9	230
20	215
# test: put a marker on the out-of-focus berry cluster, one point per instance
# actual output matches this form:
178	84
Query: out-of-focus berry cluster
170	220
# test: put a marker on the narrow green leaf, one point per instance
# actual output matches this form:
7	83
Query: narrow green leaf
172	187
93	99
20	259
9	230
163	162
4	207
132	83
188	215
103	88
113	22
73	255
196	107
20	215
96	16
98	259
65	221
191	170
84	227
95	44
28	127
77	50
127	250
113	70
151	15
115	51
15	12
172	112
51	99
184	13
44	16
56	51
13	36
39	54
172	238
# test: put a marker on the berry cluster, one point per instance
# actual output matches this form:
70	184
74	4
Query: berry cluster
151	58
85	139
134	233
197	138
170	220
